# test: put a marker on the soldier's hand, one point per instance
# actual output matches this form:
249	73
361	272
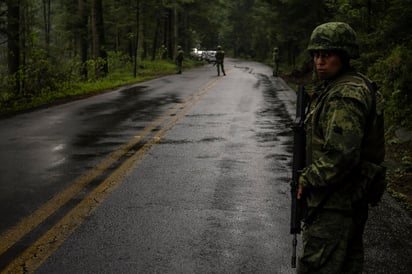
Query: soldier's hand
300	192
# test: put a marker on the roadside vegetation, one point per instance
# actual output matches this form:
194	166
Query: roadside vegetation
68	87
56	50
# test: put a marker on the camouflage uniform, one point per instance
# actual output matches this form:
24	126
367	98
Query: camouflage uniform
344	149
275	59
179	59
220	56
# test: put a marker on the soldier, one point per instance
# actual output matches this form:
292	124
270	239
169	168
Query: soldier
345	149
275	59
179	59
220	56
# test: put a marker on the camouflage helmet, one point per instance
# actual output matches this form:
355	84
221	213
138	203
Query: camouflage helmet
334	36
219	47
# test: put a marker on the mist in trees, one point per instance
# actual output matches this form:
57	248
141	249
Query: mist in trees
45	43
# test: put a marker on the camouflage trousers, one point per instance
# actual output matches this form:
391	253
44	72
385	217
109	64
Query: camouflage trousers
220	66
334	243
275	69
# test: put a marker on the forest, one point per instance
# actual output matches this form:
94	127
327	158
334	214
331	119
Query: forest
50	46
58	49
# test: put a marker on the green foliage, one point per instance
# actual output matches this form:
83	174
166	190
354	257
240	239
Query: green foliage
94	68
393	73
72	87
38	75
118	60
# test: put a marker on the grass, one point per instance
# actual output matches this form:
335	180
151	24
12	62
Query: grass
66	91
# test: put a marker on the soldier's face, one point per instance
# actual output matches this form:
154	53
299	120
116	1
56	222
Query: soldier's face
327	64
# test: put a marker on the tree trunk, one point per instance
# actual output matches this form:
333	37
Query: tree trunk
140	30
136	38
168	33
99	44
175	30
13	35
47	24
83	36
156	38
369	17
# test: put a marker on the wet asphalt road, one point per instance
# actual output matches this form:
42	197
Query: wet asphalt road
211	195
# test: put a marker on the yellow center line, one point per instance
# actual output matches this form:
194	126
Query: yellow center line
25	226
45	246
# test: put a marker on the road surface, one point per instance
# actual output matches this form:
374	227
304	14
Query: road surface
183	174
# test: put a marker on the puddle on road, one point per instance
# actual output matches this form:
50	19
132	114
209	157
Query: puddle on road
274	125
186	141
106	119
212	140
99	128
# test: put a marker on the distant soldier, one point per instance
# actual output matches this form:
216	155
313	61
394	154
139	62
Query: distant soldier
179	59
276	59
220	56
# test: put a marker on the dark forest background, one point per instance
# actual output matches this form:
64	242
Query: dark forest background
51	47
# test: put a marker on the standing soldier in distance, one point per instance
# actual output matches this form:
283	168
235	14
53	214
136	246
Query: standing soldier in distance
179	59
275	59
220	56
345	149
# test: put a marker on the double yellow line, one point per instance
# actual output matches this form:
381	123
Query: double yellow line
37	253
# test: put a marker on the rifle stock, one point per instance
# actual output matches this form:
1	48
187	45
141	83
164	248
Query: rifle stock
298	163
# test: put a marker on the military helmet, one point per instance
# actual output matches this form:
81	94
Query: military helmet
334	36
179	47
219	47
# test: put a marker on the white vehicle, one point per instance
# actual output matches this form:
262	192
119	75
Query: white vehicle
209	56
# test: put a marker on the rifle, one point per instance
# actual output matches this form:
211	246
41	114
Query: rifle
298	163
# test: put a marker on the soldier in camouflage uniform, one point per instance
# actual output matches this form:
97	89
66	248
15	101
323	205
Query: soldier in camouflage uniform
345	149
220	56
179	59
275	60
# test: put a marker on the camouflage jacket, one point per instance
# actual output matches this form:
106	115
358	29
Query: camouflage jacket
220	55
341	144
